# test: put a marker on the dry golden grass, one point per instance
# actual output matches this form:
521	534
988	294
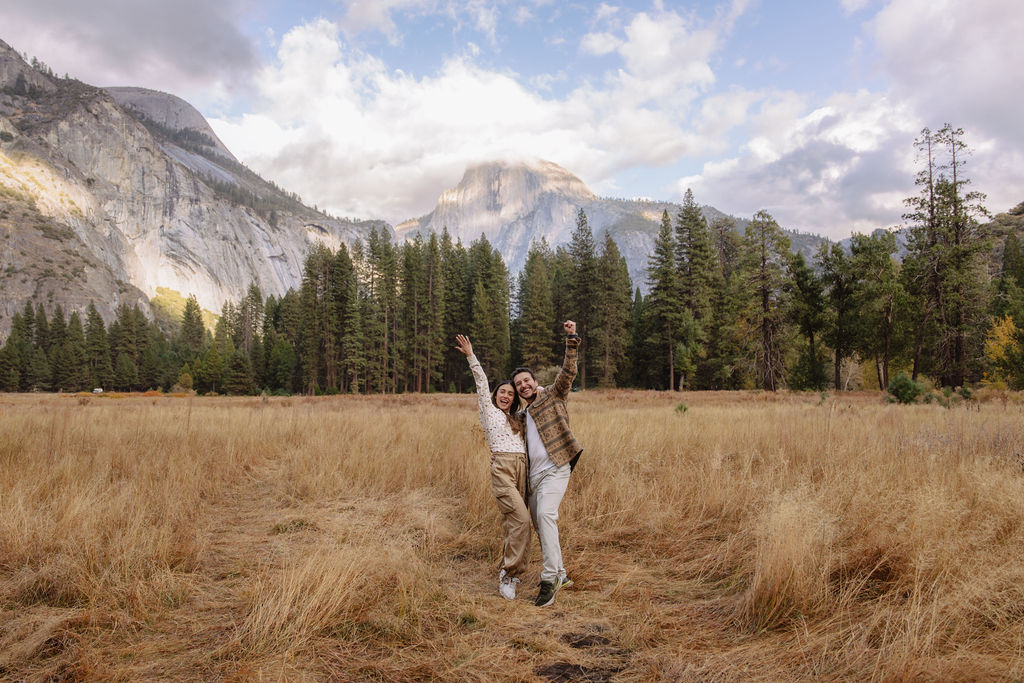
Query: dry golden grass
747	537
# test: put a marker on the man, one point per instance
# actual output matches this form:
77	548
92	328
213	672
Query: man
553	452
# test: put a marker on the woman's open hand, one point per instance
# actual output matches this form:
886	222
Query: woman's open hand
463	345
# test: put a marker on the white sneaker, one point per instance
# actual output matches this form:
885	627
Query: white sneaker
507	585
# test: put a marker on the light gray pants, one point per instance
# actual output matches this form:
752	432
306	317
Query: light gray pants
546	491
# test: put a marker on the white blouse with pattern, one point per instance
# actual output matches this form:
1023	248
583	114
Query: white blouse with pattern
500	437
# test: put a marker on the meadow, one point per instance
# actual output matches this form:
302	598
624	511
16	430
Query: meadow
711	537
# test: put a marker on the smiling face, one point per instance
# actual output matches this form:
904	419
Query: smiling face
503	397
526	386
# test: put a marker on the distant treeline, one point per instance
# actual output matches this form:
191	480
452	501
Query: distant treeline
724	311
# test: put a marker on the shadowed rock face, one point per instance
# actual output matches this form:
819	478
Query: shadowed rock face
107	203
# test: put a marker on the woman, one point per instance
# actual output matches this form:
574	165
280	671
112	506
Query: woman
504	432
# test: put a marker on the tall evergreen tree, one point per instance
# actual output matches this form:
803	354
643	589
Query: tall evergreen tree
97	350
320	327
536	306
434	316
664	305
612	313
582	285
192	327
807	312
944	268
489	327
457	309
699	278
841	282
879	300
765	255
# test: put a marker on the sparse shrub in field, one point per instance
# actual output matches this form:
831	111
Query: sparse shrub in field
681	408
904	389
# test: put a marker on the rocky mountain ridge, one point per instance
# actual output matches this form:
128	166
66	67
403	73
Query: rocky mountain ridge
513	204
107	199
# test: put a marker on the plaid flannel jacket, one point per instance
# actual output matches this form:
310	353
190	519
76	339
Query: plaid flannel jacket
549	413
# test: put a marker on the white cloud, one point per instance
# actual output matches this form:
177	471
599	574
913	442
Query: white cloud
346	132
840	167
605	11
191	48
599	43
854	6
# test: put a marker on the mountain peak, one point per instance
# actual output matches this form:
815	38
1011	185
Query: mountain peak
493	194
170	112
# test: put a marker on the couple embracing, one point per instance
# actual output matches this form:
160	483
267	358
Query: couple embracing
533	452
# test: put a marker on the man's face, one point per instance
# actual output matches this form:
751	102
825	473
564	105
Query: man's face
526	386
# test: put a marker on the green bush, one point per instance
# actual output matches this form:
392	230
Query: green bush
904	389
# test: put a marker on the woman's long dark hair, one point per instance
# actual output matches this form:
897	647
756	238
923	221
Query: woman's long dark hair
514	421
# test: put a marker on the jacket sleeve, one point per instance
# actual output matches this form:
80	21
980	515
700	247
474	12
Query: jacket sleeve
563	383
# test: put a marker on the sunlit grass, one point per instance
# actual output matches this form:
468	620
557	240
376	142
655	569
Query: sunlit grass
749	536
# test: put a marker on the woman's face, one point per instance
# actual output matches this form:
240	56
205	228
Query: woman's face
503	397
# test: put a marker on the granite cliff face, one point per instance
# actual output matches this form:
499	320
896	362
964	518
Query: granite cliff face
514	204
108	197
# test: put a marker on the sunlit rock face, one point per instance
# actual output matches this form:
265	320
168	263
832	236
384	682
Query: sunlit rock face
513	204
110	198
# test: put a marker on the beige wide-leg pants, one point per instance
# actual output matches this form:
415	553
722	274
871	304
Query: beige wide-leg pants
508	481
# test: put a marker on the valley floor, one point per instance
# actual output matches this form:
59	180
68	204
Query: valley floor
711	537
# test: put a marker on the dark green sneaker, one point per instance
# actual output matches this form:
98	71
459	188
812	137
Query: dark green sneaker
563	581
546	596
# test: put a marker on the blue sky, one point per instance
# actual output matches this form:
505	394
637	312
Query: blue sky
372	109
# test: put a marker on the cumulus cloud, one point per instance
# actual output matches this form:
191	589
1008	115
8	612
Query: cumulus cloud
192	48
600	43
846	163
831	170
374	142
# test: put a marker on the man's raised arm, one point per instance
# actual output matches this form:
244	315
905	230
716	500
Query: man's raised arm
563	383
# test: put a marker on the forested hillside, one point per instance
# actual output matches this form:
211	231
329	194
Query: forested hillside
724	311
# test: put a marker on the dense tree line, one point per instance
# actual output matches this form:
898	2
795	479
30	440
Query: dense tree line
723	311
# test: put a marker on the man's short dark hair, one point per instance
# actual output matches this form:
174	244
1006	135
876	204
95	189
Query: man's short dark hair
523	369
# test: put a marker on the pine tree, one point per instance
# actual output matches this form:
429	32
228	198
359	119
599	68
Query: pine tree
457	310
807	312
348	313
192	327
42	330
840	282
879	299
415	301
320	326
97	350
944	269
699	277
434	329
612	313
126	373
536	318
664	305
581	287
75	343
765	255
381	281
238	378
489	326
